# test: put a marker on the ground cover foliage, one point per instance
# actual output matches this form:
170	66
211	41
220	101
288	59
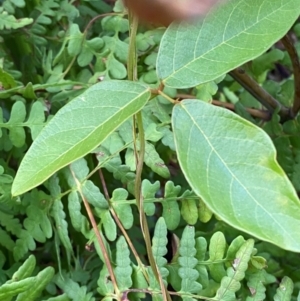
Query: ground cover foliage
139	162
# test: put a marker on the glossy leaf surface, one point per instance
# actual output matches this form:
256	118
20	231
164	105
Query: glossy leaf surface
230	163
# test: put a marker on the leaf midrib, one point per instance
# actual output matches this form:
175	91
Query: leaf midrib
71	148
233	176
172	75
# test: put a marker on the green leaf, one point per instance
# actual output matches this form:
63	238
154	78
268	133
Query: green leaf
171	212
25	270
10	22
153	160
234	247
189	211
123	269
36	119
285	290
8	290
109	226
78	220
72	289
105	285
123	210
217	248
23	243
138	280
148	192
16	131
78	128
256	284
93	195
201	246
236	32
41	281
75	40
37	222
7	81
204	213
231	283
59	216
188	262
217	146
6	241
159	246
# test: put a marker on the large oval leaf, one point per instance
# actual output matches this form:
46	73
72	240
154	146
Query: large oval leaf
230	163
234	33
78	128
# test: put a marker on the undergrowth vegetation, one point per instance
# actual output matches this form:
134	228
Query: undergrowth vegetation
144	162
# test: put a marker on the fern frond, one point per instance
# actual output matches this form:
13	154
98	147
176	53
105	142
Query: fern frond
105	286
10	6
234	247
6	181
189	210
217	249
40	282
72	289
78	220
187	261
171	212
201	247
24	243
112	162
93	195
230	284
256	283
16	122
6	241
108	223
10	290
8	21
23	286
285	290
25	270
139	282
204	213
148	192
123	269
10	223
59	216
123	210
37	221
159	247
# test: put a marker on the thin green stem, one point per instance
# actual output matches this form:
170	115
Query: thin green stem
171	100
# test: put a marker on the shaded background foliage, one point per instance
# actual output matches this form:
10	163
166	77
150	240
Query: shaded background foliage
50	52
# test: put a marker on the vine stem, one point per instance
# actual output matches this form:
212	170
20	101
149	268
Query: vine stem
140	154
118	222
292	51
97	233
266	99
